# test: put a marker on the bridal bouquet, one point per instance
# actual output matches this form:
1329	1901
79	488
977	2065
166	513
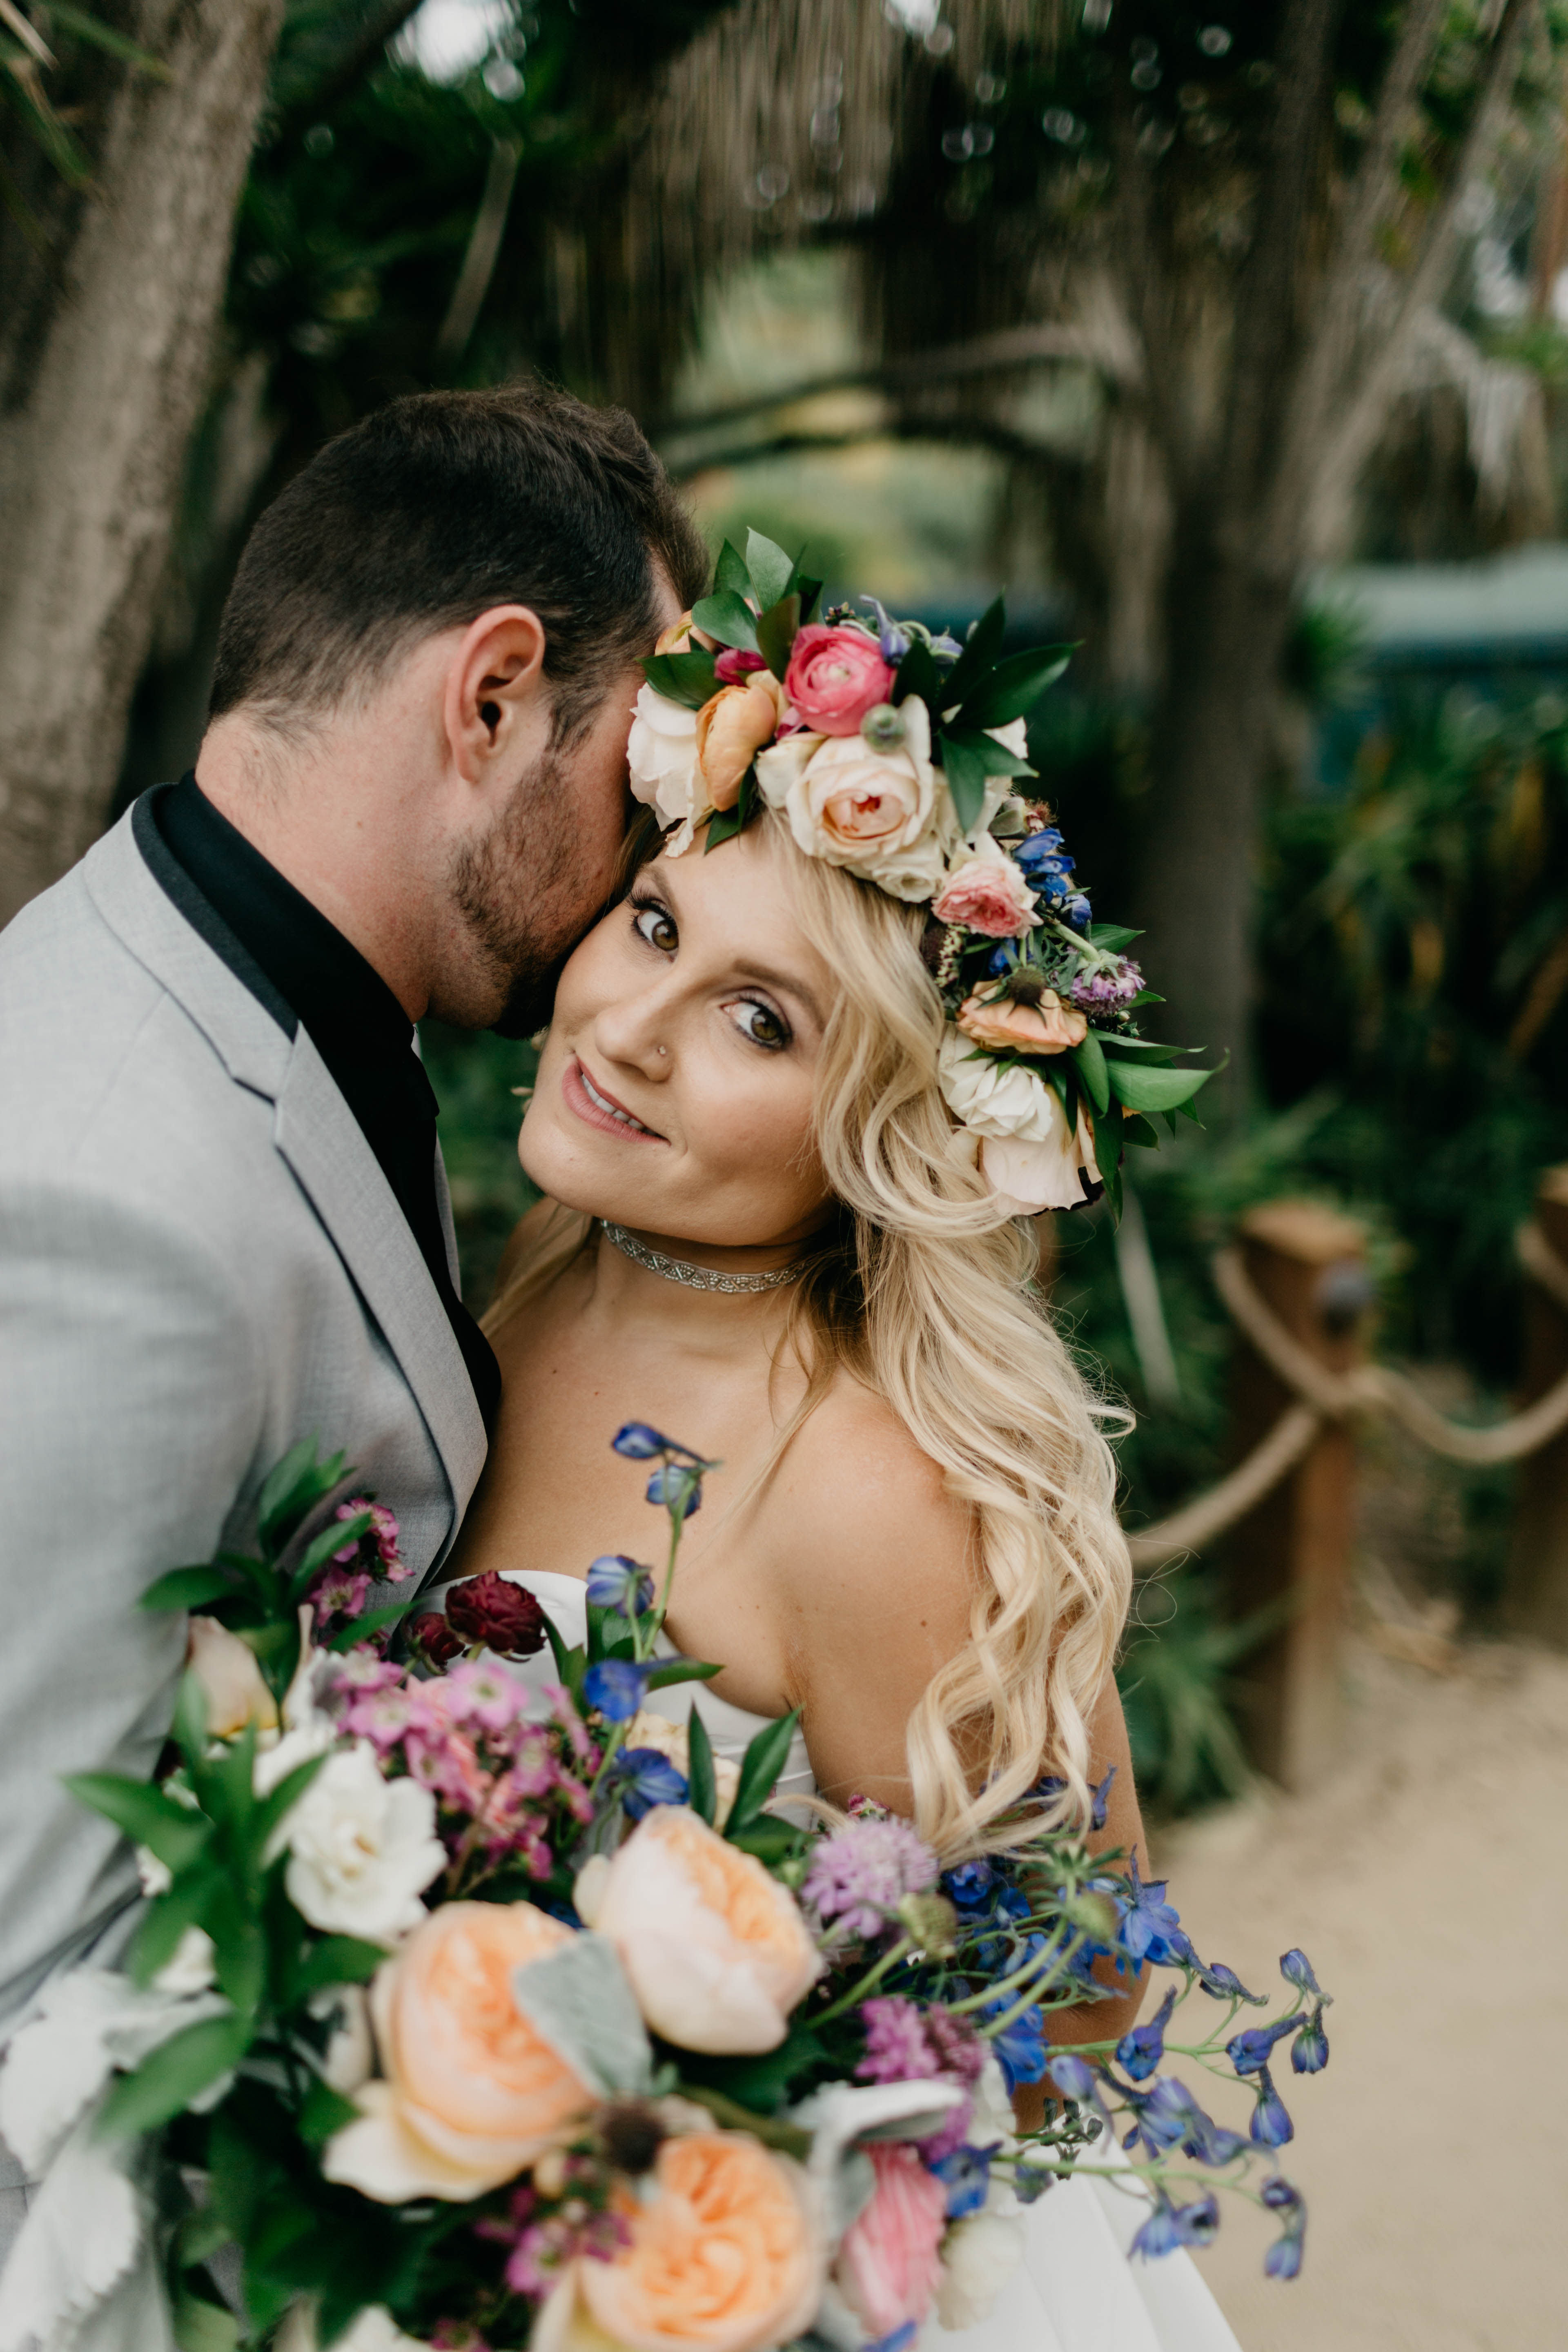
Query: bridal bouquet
473	2015
892	751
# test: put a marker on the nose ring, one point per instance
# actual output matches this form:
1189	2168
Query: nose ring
663	1049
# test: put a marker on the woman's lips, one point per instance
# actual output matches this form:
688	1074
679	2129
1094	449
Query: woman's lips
597	1107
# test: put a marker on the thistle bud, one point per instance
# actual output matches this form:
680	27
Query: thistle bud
883	726
932	1920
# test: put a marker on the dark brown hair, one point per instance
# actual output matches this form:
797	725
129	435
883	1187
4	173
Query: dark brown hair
433	509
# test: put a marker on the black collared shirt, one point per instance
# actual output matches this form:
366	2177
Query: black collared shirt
301	967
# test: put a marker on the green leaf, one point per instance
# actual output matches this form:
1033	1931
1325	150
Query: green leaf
730	574
323	1547
1112	1177
291	1485
165	1920
1090	1066
681	1670
188	1587
198	2237
965	776
201	2325
281	1801
172	1832
975	662
727	823
763	2084
918	674
571	1664
1014	686
700	1778
1144	1089
808	591
1113	1040
759	1767
994	757
323	2111
776	634
1137	1130
771	569
1111	937
687	678
727	616
335	1960
177	2072
769	1840
364	1629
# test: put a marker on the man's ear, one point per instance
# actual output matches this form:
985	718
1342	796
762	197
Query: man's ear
497	702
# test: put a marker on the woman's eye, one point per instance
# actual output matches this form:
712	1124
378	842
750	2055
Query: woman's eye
760	1024
657	926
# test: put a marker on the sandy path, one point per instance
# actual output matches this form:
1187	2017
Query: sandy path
1428	1882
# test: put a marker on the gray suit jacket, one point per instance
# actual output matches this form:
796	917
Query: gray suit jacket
200	1262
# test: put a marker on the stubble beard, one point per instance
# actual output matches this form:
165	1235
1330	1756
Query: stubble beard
520	892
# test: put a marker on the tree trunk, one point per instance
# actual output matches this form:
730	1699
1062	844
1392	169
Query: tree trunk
92	444
1226	631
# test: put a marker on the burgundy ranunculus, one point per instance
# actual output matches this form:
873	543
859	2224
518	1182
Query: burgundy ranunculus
505	1617
435	1640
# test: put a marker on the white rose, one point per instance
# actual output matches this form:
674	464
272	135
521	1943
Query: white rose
996	1097
230	1679
978	2258
362	1849
1034	1176
662	758
878	812
374	2330
189	1969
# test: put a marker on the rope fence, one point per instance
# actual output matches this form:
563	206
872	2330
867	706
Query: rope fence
1321	1397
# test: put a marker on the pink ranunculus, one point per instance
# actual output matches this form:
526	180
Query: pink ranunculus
835	677
889	2267
735	665
987	894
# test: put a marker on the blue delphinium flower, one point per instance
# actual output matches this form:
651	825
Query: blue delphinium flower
1250	2052
970	1885
1213	2143
1020	2048
676	1488
1001	961
649	1779
1151	1928
1079	911
1074	2077
1271	2126
639	1442
615	1686
1222	1984
1297	1969
1141	2050
966	2177
894	640
1170	2226
1283	2260
1281	2196
1037	846
617	1582
1046	1790
1310	2051
899	2341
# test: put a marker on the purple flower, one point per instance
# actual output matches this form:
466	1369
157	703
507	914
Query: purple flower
340	1592
1250	2052
969	1883
617	1582
1074	2077
862	1873
676	1487
1297	1969
1271	2126
615	1686
1151	1930
893	641
1222	1984
1283	2260
905	2044
1102	991
1170	2226
639	1442
648	1780
1079	911
1310	2051
381	1536
965	2173
1141	2050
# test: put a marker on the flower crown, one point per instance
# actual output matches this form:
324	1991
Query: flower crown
892	752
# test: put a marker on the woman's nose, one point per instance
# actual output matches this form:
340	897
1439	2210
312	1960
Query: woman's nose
637	1031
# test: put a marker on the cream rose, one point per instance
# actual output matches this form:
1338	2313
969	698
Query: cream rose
661	761
725	2256
1027	1154
362	1849
471	2093
716	1951
230	1678
877	811
1034	1176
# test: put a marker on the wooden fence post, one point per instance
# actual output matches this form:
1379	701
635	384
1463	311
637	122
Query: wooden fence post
1293	1552
1537	1599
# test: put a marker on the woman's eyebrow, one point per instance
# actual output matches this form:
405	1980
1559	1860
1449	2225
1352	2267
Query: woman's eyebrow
787	983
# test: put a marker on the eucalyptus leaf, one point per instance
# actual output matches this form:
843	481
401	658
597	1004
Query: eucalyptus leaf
773	574
578	2001
728	617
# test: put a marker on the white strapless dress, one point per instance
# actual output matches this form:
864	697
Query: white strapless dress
1075	2291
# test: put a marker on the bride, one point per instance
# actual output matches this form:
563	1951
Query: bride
758	1233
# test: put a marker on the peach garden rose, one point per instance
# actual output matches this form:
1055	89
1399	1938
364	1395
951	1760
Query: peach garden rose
470	2093
732	727
715	1949
724	2256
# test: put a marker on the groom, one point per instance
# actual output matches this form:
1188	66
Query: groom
224	1222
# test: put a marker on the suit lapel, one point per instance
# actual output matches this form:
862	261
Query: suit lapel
320	1137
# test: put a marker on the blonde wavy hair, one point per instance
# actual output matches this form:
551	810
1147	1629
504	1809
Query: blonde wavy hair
926	1295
